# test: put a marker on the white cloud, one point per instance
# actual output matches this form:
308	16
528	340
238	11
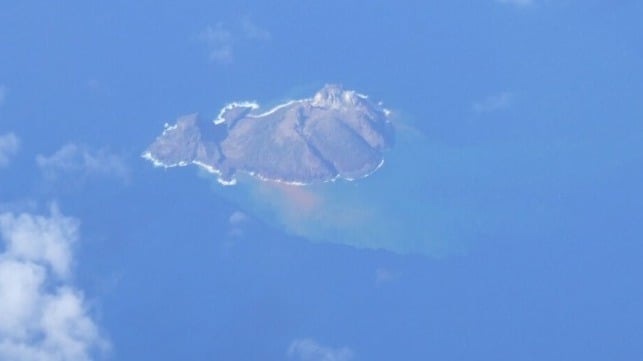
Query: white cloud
516	2
238	223
81	162
219	41
309	350
253	31
238	218
46	241
222	40
42	316
9	145
494	103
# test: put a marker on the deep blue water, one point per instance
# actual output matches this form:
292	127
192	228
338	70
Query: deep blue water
531	212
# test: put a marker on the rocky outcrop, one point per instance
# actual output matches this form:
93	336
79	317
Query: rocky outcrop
336	134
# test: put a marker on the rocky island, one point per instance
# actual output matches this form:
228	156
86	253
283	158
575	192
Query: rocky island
336	134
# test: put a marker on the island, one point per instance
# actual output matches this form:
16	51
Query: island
336	134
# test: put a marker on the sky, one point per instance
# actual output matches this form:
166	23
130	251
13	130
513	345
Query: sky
524	171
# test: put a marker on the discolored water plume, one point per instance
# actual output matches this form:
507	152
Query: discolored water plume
315	168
